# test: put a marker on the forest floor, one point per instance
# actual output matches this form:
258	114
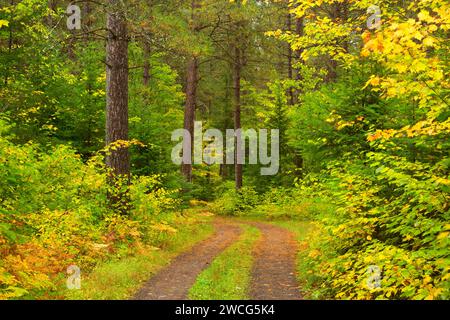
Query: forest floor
270	273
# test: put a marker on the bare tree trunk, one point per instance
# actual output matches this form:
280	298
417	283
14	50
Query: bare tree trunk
189	112
117	97
237	115
227	119
147	54
192	79
87	21
10	42
300	31
290	61
338	12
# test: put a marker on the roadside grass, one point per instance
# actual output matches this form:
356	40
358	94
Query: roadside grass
120	279
228	277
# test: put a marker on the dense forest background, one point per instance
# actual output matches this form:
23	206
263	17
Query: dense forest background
362	106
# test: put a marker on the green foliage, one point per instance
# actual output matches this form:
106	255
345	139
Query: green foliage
363	119
54	212
155	112
377	136
235	202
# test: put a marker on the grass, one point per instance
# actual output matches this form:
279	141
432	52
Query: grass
120	279
301	229
228	277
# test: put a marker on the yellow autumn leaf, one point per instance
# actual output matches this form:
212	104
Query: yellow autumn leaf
315	253
428	41
425	16
443	235
4	23
432	28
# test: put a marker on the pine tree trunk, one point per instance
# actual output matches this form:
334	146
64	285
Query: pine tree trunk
87	21
147	54
338	12
300	31
192	79
10	43
237	115
117	98
189	112
290	62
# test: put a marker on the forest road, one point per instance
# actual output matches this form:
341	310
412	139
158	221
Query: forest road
174	281
273	274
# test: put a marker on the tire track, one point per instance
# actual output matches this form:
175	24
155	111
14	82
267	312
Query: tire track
273	273
174	281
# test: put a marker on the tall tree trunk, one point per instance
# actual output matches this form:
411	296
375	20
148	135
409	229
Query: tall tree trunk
300	31
339	12
117	97
189	112
192	79
147	54
290	62
87	21
237	116
10	41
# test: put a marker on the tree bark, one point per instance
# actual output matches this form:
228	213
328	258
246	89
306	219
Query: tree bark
237	115
147	53
192	78
290	61
189	112
117	90
10	42
300	31
87	21
339	11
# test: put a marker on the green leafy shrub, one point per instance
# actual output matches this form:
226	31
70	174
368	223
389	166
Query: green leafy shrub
54	212
233	202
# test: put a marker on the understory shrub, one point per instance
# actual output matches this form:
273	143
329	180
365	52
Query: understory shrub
54	213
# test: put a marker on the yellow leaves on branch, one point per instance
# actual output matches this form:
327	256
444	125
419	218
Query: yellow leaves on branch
424	16
373	81
408	38
372	44
422	128
4	23
122	144
381	134
407	48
